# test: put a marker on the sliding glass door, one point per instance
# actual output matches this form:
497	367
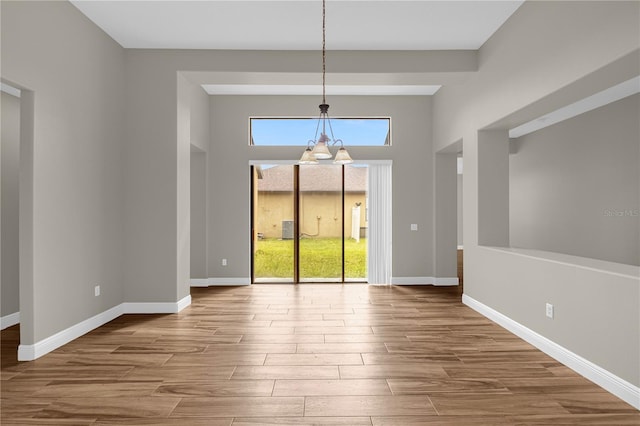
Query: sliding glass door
320	198
309	223
274	234
356	225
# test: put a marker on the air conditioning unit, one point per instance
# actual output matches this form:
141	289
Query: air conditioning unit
287	230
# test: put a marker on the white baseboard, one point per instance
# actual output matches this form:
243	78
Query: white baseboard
209	282
411	280
9	320
43	347
604	378
229	281
438	281
183	303
446	281
157	307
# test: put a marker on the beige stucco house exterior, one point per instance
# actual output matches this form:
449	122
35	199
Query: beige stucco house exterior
320	200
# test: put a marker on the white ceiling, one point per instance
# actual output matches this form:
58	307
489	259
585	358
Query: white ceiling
297	24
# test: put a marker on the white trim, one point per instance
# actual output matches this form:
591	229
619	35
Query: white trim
273	162
199	282
314	89
44	346
460	247
411	280
378	162
210	282
183	303
9	320
10	90
437	281
446	281
229	281
293	162
261	280
604	378
156	307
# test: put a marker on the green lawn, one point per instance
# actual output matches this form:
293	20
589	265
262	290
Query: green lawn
319	258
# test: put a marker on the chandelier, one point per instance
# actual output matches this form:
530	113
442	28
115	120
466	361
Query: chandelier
318	148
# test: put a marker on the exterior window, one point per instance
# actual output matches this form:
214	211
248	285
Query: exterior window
298	131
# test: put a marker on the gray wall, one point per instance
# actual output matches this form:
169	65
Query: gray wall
523	74
155	169
229	181
76	74
199	215
199	138
535	72
154	163
460	207
151	174
199	118
184	88
569	180
445	188
10	154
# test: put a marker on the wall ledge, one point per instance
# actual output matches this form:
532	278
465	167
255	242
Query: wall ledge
44	346
620	269
9	320
604	378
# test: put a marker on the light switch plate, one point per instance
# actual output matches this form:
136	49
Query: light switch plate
414	226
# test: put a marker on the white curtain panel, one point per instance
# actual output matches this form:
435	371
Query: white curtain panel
379	238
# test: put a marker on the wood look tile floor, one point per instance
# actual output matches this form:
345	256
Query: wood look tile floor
312	354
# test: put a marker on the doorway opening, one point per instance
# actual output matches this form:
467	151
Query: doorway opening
309	223
10	195
460	254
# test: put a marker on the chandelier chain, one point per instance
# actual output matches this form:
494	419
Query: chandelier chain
324	101
321	144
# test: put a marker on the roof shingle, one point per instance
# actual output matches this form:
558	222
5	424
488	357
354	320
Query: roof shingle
316	178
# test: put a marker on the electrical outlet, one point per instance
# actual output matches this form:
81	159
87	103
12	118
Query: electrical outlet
414	226
549	310
96	290
224	262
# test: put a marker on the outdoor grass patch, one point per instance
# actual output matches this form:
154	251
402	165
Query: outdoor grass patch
319	257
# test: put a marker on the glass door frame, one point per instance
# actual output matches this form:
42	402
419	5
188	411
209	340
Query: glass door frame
296	224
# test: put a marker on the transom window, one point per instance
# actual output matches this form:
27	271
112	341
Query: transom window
360	131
